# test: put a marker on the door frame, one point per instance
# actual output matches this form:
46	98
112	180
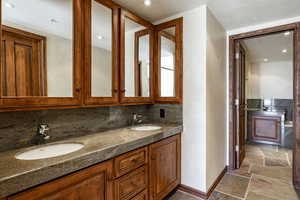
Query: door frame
295	27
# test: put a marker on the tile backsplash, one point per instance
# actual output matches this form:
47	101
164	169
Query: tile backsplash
18	129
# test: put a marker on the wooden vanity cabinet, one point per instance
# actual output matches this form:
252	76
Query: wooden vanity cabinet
148	173
93	183
164	167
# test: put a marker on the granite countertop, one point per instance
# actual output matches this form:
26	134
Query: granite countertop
18	175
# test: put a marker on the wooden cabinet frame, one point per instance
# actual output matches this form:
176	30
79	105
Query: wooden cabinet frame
178	24
88	98
135	18
82	64
15	103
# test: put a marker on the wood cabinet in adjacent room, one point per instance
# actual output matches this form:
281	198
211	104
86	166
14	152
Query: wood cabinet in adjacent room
266	128
164	167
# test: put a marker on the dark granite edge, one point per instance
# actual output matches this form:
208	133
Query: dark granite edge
21	182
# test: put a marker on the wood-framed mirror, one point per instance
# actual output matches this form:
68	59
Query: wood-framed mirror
101	52
168	62
136	59
40	54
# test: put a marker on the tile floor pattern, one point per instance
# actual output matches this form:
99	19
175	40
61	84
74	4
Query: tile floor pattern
265	174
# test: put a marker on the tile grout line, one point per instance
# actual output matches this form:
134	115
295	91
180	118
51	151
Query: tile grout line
288	160
233	174
231	195
247	190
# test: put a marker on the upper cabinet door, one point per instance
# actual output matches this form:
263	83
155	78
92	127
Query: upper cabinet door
40	53
101	52
136	54
168	62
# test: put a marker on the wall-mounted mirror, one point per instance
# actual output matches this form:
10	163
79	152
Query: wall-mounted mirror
137	61
169	61
37	49
142	84
101	53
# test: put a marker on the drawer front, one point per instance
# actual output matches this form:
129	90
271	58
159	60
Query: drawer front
131	184
130	161
141	196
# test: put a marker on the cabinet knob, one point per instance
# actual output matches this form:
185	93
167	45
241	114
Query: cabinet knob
77	89
123	90
115	90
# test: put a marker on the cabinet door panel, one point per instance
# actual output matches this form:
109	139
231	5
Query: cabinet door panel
93	184
101	53
130	161
266	128
164	167
168	62
131	184
141	196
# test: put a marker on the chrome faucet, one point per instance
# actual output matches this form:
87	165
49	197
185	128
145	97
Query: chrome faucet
42	129
137	118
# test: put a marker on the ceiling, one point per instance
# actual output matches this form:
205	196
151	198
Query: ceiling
231	13
270	47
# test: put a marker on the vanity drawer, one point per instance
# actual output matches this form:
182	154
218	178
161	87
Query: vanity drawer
131	184
130	161
142	196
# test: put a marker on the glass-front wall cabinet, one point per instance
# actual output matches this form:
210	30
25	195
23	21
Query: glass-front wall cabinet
101	55
85	52
38	58
169	62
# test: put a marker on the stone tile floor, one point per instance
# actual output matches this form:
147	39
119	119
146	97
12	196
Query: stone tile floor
265	174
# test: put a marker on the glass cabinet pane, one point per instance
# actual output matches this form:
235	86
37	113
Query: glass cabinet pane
37	48
137	60
101	85
167	57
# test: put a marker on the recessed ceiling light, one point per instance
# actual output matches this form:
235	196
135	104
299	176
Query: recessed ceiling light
100	37
266	59
9	5
53	21
287	33
284	51
147	2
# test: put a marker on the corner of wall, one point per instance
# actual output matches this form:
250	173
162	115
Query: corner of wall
216	107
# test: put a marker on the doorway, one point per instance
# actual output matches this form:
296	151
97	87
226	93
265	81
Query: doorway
237	97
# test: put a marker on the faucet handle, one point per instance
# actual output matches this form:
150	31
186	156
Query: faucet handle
44	127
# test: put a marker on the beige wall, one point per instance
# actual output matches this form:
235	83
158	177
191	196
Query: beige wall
101	73
215	99
270	80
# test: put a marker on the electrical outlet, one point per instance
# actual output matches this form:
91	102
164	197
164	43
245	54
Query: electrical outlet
162	113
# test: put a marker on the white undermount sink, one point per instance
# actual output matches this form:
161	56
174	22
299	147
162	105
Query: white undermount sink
49	151
146	128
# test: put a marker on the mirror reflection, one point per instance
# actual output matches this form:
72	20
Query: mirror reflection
137	60
37	48
101	50
167	55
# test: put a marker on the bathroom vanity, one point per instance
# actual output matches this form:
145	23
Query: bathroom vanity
121	164
266	126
